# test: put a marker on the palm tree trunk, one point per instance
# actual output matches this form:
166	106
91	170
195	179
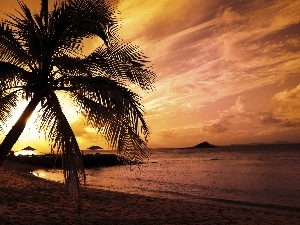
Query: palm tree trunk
15	132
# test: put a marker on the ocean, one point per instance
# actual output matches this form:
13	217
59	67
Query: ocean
259	175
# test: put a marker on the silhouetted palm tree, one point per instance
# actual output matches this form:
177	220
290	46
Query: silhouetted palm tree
41	55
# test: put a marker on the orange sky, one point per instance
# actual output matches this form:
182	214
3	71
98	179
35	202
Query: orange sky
227	71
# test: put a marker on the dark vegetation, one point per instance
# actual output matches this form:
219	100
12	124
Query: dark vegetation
54	161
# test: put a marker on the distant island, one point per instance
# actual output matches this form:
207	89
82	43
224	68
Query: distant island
204	145
264	143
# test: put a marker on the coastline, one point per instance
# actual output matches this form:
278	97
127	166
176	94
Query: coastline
25	199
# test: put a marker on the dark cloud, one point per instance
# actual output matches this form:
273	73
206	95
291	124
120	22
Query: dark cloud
291	123
268	118
215	128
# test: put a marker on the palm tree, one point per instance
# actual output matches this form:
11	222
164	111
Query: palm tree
41	55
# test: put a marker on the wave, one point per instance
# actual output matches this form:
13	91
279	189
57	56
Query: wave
261	205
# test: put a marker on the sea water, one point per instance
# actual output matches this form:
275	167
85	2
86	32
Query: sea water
267	175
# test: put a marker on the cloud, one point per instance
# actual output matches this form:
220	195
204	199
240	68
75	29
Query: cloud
239	109
215	128
233	50
291	123
229	16
268	118
289	97
168	134
288	103
235	115
182	87
205	52
153	20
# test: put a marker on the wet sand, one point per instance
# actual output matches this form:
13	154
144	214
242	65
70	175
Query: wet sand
25	199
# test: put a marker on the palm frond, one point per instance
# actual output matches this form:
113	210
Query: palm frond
8	103
122	62
70	65
10	48
10	72
63	139
114	111
14	78
73	20
117	129
30	36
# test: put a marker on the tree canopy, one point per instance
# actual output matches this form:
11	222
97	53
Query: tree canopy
41	56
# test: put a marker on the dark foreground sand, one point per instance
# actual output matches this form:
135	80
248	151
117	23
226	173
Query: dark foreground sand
25	199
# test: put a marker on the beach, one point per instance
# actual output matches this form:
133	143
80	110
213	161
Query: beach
25	199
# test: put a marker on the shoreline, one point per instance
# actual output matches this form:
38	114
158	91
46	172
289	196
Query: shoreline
26	199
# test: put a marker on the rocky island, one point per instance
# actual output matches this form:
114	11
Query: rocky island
204	145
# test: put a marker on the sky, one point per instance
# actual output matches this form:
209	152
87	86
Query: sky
228	72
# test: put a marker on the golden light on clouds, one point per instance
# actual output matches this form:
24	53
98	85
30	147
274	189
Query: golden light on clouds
227	71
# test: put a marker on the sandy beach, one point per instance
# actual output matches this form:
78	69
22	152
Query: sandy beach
25	199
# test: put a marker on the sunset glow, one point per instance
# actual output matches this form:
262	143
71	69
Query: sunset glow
228	72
